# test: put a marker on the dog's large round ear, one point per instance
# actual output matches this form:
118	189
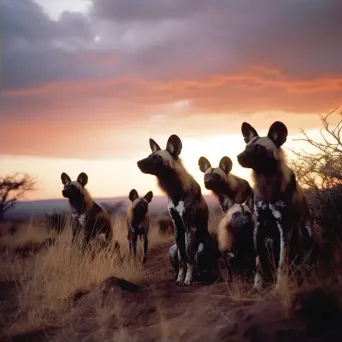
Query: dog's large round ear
133	195
65	178
278	133
154	146
82	179
226	164
226	203
204	164
174	146
248	132
148	197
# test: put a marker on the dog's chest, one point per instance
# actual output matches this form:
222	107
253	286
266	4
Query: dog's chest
270	214
140	229
80	219
178	209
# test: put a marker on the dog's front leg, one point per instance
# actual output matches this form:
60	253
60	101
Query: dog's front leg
180	242
145	247
133	244
191	249
282	255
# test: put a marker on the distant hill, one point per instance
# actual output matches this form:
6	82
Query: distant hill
36	209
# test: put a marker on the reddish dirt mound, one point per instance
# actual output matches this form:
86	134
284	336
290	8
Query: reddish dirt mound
116	310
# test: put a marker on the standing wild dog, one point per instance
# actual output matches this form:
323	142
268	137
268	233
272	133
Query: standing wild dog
224	185
138	221
235	240
279	202
87	216
186	206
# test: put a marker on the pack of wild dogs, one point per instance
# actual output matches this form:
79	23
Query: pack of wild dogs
264	229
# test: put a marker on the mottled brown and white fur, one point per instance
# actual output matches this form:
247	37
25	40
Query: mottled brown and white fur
87	217
280	205
138	221
235	240
186	205
227	187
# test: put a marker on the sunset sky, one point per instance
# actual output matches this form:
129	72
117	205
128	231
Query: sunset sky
86	83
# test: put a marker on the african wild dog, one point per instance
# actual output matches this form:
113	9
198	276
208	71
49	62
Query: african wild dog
235	240
138	221
186	206
224	185
279	202
87	216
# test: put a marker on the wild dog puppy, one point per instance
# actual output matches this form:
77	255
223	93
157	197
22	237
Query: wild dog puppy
279	202
138	221
224	185
87	216
186	205
235	240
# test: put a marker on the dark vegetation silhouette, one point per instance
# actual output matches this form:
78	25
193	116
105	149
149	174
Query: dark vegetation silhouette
12	188
320	173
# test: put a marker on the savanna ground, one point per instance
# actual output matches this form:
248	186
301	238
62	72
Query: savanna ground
50	291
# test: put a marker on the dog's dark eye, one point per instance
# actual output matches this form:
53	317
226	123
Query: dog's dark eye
236	215
259	147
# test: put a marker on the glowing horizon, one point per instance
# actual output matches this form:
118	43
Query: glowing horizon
106	178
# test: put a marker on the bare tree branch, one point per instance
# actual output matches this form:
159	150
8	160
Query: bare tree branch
13	188
320	173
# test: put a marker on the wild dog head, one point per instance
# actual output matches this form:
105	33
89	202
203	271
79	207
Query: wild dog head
262	153
74	190
140	204
215	177
160	161
236	228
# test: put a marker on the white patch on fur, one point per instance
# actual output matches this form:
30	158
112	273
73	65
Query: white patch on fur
255	234
231	255
309	230
220	172
81	219
180	208
257	281
261	204
189	275
180	277
134	203
275	212
165	155
209	170
282	249
266	142
77	185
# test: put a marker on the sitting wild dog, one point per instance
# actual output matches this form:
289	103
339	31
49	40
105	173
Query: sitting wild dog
138	221
235	240
225	186
87	216
280	205
186	206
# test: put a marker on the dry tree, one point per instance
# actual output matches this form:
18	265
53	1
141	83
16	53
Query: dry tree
13	188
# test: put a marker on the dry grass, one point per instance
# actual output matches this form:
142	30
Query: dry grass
46	280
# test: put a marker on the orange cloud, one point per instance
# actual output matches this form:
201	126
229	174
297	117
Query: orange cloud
75	117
